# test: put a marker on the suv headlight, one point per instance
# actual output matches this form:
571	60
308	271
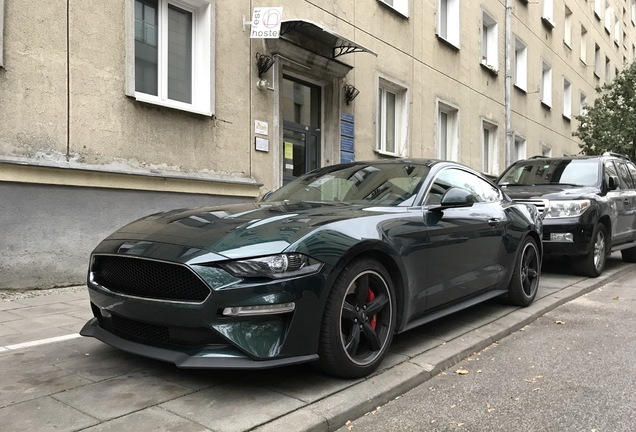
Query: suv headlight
570	208
273	266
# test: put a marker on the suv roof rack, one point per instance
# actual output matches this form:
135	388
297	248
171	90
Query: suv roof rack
609	153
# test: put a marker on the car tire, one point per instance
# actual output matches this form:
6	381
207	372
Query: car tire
359	320
629	255
524	284
593	263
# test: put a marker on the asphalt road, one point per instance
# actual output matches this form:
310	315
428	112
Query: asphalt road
572	369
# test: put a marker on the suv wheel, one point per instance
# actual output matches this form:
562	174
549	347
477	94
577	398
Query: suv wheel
593	263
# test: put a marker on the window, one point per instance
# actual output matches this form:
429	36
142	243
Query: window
582	103
608	70
608	17
583	54
478	189
617	31
547	13
448	21
489	46
598	8
447	132
546	150
391	133
567	98
400	6
519	150
597	61
634	12
546	84
1	33
567	28
521	65
172	54
490	149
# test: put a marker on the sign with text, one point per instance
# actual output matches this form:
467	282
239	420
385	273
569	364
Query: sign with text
266	22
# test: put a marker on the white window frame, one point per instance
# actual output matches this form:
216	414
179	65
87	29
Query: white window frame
448	28
448	150
567	98
598	8
203	77
521	65
546	84
489	42
489	147
617	31
567	27
401	116
633	8
399	6
547	12
546	150
608	17
519	148
582	103
597	60
608	70
583	48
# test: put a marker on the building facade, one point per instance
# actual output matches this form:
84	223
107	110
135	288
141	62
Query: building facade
113	110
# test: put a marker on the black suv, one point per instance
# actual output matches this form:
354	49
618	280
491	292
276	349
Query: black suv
588	204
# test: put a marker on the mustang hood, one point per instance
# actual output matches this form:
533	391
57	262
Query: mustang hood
233	231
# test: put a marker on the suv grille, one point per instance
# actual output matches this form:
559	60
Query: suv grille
148	279
540	204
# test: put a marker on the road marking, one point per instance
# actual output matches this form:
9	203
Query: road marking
39	342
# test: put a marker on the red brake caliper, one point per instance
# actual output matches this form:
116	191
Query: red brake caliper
374	319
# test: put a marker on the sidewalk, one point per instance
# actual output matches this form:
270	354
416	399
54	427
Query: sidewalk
39	327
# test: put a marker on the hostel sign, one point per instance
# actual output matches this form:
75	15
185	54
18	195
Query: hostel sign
266	22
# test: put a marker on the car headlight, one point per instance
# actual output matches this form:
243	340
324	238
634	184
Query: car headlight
571	208
273	266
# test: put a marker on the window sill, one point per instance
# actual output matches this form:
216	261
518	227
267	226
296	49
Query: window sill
547	23
489	68
546	105
567	118
521	89
583	62
153	100
448	43
388	154
567	46
397	11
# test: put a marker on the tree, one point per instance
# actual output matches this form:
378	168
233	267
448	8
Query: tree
610	124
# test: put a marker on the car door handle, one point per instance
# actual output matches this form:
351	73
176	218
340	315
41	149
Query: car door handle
494	222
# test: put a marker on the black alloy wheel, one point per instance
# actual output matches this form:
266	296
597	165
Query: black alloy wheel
525	278
359	320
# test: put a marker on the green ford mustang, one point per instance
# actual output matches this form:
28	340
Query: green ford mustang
326	269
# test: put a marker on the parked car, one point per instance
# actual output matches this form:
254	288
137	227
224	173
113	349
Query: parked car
326	269
588	202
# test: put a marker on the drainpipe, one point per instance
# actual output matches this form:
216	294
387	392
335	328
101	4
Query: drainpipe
509	47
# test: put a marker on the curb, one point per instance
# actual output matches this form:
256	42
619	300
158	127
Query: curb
333	411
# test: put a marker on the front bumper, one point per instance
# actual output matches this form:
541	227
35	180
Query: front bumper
194	333
581	236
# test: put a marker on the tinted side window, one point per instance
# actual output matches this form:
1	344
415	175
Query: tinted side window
632	170
481	190
624	176
610	170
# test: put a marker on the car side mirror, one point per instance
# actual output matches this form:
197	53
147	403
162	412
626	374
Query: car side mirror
612	183
457	197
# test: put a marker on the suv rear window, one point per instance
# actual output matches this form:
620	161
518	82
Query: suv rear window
574	172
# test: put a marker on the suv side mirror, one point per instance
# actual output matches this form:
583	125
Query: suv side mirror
612	183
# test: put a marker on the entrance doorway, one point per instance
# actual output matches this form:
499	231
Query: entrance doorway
301	127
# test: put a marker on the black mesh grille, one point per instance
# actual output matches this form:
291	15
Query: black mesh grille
160	335
149	279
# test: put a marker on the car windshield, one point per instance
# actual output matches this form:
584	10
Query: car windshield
382	184
573	172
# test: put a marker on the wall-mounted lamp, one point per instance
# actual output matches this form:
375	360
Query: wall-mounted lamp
350	93
263	64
